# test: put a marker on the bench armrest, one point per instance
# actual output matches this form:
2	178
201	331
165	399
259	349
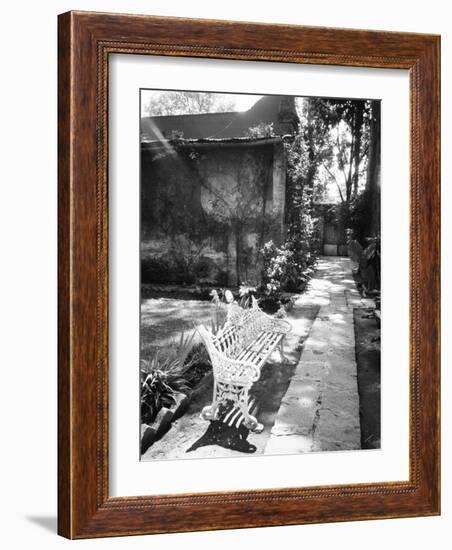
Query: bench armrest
273	324
270	323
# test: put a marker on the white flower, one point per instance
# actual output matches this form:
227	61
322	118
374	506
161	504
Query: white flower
228	296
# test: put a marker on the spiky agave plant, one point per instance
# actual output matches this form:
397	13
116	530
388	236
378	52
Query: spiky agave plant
162	378
246	292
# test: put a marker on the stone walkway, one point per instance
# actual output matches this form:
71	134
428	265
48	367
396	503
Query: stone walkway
320	410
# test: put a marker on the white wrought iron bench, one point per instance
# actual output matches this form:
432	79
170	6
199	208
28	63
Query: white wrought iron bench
238	351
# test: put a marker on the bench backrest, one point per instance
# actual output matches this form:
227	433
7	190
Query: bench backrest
242	327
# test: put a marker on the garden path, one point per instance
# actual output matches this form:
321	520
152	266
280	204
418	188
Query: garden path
320	410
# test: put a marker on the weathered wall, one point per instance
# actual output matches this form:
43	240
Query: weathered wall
214	206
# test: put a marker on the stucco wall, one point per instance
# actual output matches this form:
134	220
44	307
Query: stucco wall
208	203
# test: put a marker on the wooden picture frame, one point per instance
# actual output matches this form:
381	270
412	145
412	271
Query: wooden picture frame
85	42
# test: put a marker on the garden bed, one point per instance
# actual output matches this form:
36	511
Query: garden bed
269	304
199	367
367	342
177	292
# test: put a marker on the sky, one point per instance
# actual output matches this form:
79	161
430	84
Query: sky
244	101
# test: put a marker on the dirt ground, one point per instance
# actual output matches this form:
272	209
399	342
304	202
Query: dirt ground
163	319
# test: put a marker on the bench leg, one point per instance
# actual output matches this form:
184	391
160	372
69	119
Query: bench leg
211	411
250	421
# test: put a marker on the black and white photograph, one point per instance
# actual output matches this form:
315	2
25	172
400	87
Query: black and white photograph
260	274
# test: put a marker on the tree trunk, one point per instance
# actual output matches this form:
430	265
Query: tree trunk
237	252
357	133
373	171
348	189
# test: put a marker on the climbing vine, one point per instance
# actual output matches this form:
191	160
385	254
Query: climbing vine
290	266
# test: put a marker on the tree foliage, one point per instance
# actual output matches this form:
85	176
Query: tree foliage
338	137
187	103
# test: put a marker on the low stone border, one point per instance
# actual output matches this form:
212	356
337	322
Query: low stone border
162	423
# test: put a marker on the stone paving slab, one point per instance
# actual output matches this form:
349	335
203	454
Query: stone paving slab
298	408
320	411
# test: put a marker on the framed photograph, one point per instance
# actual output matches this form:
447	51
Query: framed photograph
248	275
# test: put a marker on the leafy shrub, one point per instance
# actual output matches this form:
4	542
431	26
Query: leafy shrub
359	216
222	278
261	130
285	269
370	264
181	272
203	268
166	270
277	268
269	304
200	364
155	270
